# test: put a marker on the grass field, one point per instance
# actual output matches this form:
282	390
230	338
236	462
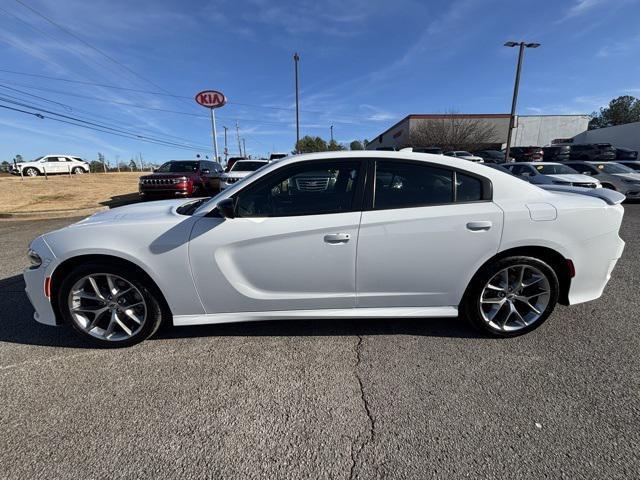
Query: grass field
61	192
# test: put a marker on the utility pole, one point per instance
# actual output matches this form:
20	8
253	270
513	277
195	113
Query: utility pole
296	59
331	128
244	144
226	149
118	163
238	136
514	101
214	134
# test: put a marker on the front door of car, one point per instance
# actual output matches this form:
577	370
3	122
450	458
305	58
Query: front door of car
54	164
425	232
291	246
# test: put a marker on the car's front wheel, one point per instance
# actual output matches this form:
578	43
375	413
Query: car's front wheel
511	296
31	172
109	306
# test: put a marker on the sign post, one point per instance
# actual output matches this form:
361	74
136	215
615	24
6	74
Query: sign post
212	99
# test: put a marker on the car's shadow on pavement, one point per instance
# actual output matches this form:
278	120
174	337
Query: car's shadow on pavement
18	326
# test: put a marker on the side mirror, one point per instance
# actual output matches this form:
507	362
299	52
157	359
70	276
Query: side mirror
227	208
205	171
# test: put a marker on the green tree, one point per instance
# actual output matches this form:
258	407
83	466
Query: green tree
365	142
334	146
621	110
132	165
356	145
308	144
5	166
18	158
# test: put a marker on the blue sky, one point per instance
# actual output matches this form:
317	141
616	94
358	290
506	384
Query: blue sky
364	65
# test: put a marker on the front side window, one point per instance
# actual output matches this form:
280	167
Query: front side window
313	188
404	185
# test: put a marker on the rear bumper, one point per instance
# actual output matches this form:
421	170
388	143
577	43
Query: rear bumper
593	270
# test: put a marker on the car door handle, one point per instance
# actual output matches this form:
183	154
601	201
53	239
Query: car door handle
479	226
337	238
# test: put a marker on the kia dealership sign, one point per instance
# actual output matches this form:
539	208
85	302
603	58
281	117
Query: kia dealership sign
211	99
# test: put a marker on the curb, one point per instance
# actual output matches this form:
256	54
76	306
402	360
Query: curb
50	214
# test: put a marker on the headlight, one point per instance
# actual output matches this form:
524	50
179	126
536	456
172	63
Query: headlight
34	258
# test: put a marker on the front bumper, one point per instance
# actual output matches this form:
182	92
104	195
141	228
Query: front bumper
35	278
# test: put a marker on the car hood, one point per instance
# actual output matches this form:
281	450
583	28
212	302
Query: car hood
628	176
236	174
166	175
573	178
138	213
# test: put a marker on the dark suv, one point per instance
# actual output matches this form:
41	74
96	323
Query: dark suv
182	178
593	151
556	153
490	156
525	154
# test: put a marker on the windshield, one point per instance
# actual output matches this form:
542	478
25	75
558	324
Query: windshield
247	166
37	159
613	168
551	169
462	153
178	167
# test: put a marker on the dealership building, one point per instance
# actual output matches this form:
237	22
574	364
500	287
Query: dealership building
529	130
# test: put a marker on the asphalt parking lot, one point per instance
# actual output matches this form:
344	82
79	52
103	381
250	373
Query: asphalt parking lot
324	399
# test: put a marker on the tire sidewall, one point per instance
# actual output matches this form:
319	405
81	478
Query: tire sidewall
154	310
31	169
470	306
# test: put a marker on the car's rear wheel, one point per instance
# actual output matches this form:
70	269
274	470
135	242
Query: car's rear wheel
511	296
31	172
109	306
77	170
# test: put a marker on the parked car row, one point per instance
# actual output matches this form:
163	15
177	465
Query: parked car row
621	177
562	153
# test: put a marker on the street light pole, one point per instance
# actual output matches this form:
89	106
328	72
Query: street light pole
226	149
296	59
514	101
331	128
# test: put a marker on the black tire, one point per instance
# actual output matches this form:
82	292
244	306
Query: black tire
471	309
77	170
31	172
154	309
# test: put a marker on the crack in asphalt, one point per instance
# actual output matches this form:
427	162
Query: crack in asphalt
356	450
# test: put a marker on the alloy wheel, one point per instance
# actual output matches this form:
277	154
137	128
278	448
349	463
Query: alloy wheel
107	307
515	298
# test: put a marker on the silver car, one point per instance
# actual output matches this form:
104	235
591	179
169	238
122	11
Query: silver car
549	173
611	175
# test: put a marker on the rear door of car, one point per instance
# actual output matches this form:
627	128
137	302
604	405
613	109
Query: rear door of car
55	164
424	232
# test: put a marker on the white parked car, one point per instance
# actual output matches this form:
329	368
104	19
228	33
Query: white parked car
240	170
464	155
549	173
51	164
333	235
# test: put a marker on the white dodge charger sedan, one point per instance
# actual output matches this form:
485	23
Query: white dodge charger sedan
333	235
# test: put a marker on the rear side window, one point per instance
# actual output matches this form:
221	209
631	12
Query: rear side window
468	189
404	185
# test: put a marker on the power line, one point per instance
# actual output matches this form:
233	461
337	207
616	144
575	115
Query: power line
136	90
96	126
84	42
144	107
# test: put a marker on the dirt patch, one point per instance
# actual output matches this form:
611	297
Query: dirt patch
62	192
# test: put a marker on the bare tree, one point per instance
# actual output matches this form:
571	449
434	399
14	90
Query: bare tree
451	131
